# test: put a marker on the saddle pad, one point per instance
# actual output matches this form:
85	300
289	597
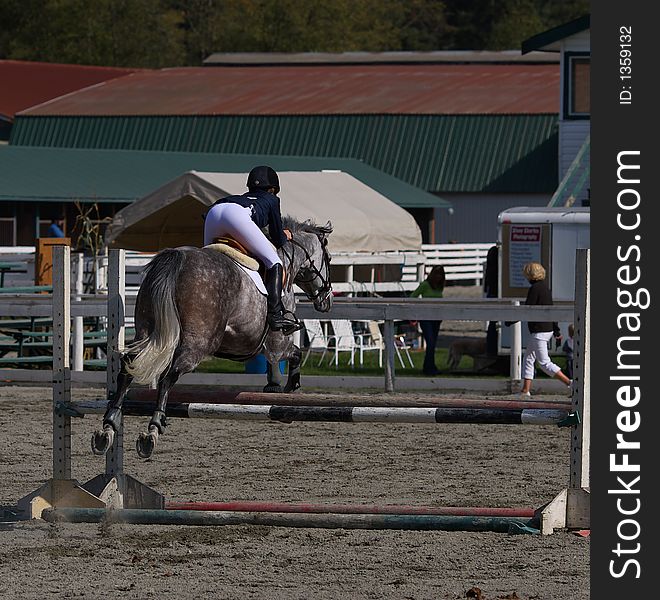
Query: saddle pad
242	259
256	278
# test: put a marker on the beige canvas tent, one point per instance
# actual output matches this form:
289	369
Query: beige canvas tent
363	219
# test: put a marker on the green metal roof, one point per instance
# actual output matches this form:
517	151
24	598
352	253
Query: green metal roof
63	174
438	153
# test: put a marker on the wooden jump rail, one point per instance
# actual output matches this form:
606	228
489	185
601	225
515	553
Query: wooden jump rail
357	509
408	522
63	498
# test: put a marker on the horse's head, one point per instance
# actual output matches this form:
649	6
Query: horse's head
313	274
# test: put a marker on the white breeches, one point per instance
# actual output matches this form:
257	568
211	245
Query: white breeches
537	351
235	221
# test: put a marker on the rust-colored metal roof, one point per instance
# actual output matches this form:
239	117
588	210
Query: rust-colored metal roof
313	90
25	84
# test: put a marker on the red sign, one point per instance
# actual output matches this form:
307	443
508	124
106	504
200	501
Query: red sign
521	233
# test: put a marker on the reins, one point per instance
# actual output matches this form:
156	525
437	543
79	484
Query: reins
316	274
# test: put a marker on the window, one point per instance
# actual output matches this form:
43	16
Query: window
44	224
577	85
7	231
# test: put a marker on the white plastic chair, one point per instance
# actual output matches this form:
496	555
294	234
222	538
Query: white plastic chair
318	339
345	340
399	344
374	342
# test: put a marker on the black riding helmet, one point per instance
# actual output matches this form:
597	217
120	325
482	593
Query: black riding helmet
263	178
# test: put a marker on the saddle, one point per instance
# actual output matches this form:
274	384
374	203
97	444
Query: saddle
237	252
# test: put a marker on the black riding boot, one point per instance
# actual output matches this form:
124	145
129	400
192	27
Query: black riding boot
277	319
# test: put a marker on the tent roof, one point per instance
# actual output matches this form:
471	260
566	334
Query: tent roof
362	218
34	174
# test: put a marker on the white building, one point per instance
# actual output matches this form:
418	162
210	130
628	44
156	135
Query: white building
573	42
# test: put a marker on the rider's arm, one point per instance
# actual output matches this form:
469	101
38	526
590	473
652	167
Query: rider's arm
275	228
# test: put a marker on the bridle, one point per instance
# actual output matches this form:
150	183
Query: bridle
325	288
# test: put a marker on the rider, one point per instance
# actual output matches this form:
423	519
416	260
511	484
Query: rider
242	217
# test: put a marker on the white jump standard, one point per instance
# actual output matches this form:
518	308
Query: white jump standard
63	498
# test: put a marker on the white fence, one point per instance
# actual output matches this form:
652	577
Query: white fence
462	262
381	309
353	273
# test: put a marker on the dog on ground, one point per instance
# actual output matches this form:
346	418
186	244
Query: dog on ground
469	346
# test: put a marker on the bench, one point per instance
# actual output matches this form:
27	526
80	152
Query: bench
20	341
28	289
30	323
30	361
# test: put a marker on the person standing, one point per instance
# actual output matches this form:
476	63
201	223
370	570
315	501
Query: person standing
55	228
432	287
541	332
568	349
491	289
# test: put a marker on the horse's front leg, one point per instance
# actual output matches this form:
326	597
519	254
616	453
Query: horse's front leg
274	378
293	380
103	439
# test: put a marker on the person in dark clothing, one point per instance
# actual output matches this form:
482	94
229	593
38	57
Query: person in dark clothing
541	331
491	288
55	229
432	287
242	218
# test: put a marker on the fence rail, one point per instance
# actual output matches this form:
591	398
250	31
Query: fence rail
462	262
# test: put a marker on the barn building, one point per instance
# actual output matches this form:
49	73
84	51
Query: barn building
477	131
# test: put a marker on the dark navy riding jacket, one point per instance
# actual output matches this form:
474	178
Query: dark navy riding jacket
265	212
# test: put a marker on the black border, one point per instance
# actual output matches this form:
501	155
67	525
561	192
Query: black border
619	127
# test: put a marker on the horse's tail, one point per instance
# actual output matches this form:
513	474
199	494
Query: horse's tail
149	357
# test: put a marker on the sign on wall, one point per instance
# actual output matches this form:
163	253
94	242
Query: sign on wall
523	243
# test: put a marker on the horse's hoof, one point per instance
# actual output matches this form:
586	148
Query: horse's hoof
145	444
292	385
273	388
102	441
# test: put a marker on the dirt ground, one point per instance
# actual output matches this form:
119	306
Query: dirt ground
452	465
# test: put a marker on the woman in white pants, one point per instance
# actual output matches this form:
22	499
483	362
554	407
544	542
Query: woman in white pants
541	332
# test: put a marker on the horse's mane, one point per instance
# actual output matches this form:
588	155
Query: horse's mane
307	226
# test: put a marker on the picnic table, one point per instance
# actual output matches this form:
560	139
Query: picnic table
10	267
27	289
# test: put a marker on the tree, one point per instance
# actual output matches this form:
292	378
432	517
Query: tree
517	21
162	33
104	32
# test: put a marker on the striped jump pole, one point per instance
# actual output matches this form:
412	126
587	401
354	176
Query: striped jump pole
279	519
338	414
196	394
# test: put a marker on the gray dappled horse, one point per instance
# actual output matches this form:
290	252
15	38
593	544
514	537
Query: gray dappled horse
197	302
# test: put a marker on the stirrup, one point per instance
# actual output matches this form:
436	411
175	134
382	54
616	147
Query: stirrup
287	325
292	328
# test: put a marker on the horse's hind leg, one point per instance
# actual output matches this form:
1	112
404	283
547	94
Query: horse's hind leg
102	440
293	381
181	363
146	441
